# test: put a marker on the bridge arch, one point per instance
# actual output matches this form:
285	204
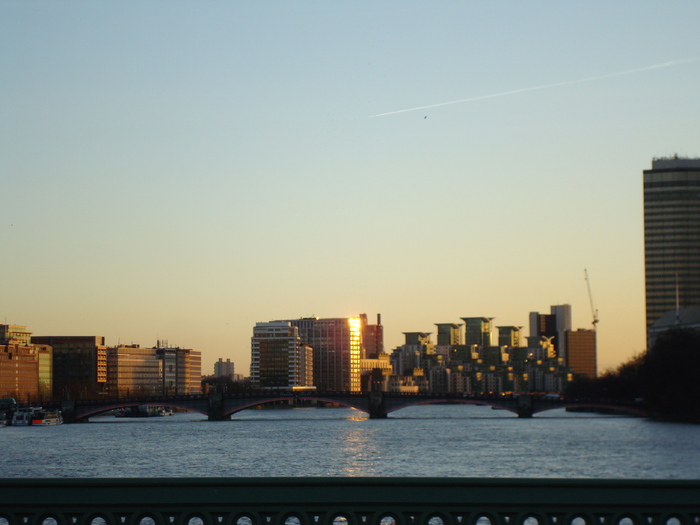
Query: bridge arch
247	404
631	410
456	401
88	412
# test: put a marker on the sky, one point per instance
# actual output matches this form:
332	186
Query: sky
179	171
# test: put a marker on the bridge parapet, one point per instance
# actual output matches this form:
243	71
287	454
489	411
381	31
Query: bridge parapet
347	501
377	404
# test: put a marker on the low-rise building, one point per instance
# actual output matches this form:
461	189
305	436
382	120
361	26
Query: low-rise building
133	371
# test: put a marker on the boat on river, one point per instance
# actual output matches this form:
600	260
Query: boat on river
145	411
44	418
36	416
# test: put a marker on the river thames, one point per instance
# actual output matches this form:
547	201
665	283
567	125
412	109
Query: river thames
438	440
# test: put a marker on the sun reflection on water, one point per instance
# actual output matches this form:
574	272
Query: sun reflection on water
358	445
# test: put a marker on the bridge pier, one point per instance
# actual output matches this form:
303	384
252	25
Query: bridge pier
377	409
215	409
525	408
68	411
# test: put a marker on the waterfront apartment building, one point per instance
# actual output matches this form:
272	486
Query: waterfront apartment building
478	331
509	336
671	236
133	371
448	334
279	358
582	352
79	365
337	350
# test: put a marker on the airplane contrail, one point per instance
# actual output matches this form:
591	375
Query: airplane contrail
544	86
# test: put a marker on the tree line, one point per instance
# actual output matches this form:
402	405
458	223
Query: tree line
665	379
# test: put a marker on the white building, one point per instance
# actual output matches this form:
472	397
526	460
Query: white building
224	368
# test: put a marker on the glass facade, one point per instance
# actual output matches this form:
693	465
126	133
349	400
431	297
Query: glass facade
79	365
671	236
337	345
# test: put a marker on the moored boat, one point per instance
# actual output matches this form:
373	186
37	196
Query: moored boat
36	416
22	417
47	417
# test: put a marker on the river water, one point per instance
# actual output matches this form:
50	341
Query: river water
437	440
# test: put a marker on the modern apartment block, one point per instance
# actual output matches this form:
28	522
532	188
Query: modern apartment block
478	331
279	358
510	336
337	350
448	334
582	352
79	365
671	236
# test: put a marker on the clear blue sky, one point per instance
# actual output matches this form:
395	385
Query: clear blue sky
179	170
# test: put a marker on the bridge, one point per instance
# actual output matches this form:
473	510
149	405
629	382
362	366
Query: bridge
348	501
218	406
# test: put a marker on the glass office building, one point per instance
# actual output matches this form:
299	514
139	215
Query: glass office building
671	236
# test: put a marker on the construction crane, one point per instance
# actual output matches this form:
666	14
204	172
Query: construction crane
594	311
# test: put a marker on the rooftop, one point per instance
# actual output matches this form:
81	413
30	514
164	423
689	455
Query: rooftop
675	162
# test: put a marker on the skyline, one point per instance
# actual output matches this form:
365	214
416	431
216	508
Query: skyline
181	172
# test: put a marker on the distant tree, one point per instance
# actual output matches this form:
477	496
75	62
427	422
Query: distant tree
671	388
665	377
624	382
225	384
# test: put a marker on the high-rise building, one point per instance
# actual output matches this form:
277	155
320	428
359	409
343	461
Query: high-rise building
509	336
279	358
478	331
79	365
337	348
448	334
553	326
581	352
372	337
671	235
